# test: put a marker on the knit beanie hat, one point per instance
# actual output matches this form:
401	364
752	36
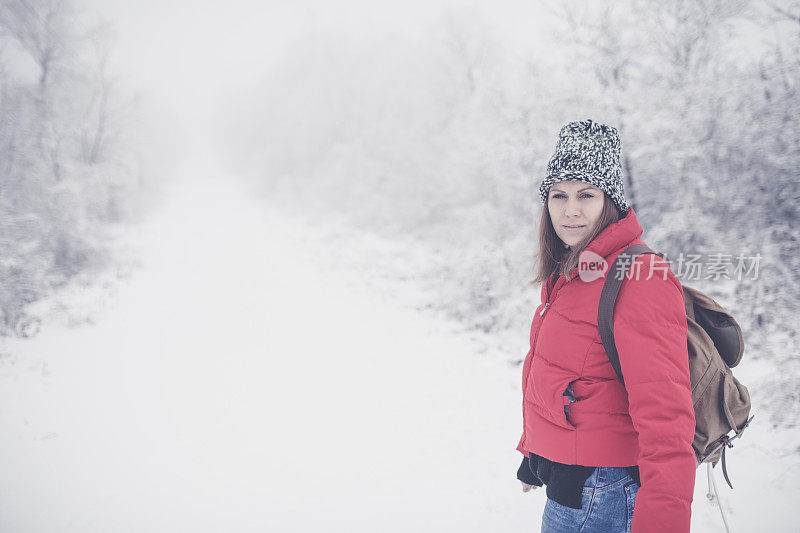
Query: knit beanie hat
588	151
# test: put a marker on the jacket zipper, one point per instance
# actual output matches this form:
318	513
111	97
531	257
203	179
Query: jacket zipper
536	335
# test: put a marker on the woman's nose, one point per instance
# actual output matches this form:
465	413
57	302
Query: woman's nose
572	208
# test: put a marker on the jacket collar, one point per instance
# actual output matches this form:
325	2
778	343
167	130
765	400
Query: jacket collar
614	237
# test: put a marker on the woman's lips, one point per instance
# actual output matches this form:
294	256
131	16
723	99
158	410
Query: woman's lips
574	229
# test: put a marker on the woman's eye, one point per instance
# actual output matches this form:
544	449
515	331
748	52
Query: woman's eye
587	195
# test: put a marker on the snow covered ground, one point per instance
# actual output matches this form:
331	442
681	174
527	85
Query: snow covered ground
239	382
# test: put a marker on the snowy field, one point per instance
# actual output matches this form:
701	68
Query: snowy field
235	386
237	382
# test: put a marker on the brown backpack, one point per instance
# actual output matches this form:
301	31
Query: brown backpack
715	345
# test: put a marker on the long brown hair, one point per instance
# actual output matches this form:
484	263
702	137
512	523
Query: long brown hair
553	256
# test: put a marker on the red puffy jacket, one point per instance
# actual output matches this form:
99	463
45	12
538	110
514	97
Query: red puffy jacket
649	420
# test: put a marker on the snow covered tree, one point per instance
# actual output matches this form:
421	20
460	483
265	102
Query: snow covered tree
66	165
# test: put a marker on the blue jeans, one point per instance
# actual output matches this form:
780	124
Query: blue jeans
609	495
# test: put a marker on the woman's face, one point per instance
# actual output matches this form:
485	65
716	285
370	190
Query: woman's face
574	207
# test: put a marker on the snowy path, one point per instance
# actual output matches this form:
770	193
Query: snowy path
238	385
235	386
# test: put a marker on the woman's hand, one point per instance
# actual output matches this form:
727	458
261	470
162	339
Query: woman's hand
527	488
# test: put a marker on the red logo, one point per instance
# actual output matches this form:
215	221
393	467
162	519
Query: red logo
591	266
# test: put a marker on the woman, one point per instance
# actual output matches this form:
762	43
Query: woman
615	457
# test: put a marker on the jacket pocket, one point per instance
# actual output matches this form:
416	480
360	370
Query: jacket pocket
549	391
569	399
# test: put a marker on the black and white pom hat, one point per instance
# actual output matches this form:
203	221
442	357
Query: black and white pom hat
588	151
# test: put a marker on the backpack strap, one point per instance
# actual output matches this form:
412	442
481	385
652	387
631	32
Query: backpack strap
608	298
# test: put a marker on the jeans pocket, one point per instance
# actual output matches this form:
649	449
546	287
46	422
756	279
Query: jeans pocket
559	518
630	496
